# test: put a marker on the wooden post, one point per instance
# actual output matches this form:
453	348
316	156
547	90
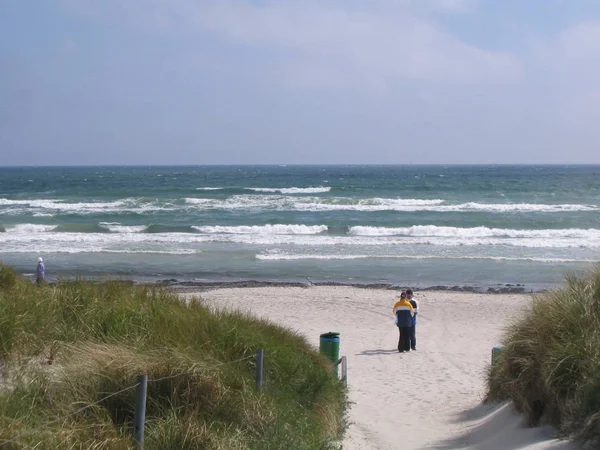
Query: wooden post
140	411
344	371
260	356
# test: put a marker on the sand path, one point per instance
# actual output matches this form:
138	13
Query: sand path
430	398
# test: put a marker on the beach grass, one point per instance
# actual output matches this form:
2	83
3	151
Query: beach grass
71	344
550	362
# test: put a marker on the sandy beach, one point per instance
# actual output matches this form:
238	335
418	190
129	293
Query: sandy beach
428	399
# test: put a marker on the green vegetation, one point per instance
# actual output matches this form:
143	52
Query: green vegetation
69	345
550	364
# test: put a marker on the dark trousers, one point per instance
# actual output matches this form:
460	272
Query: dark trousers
404	341
413	337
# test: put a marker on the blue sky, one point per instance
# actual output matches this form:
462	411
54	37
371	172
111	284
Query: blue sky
299	82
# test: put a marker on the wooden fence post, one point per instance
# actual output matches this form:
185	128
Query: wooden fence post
140	411
260	355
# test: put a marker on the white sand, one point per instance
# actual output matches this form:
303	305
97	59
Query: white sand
431	398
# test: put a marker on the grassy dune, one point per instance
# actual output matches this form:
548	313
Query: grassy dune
66	346
550	365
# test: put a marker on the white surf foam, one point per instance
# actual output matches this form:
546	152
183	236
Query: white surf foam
293	190
290	257
29	228
287	203
475	232
281	203
520	207
263	229
125	228
313	235
56	206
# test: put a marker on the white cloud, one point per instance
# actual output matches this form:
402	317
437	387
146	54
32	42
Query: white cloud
447	93
573	54
568	67
445	5
326	41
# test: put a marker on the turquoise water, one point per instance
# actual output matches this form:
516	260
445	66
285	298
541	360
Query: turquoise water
418	225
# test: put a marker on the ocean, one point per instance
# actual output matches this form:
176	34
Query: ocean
468	226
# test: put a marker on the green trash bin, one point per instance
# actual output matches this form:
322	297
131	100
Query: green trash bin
330	347
496	355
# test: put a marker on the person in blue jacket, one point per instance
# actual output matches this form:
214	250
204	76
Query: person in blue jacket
413	329
404	313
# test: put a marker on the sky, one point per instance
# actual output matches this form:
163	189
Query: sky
149	82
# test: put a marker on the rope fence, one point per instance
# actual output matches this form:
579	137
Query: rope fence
140	411
141	391
33	430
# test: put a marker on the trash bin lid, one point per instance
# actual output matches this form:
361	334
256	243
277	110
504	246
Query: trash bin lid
330	334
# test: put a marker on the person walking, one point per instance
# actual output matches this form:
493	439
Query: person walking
40	272
413	329
404	313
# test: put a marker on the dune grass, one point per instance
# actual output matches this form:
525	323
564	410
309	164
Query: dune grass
550	364
69	345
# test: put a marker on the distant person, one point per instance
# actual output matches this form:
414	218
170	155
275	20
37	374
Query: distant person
40	272
404	313
413	329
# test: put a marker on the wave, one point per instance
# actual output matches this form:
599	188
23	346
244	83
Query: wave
293	190
300	234
474	232
263	229
80	228
286	203
37	238
287	257
53	207
258	202
64	205
156	228
209	188
76	250
29	228
114	227
520	207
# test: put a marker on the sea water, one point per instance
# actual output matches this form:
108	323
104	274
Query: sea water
407	225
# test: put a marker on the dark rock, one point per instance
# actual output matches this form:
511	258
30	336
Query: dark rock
470	289
438	287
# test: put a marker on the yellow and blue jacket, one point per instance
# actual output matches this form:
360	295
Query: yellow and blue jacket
404	313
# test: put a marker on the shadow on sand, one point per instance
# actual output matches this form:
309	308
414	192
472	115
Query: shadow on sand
494	426
379	351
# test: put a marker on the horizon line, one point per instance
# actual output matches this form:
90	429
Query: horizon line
42	166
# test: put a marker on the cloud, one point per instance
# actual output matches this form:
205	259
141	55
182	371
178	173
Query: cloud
332	44
568	67
328	43
575	52
452	6
437	92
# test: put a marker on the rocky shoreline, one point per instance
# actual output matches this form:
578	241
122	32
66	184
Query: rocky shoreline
184	286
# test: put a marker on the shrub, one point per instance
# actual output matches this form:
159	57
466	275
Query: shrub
550	363
8	277
73	343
